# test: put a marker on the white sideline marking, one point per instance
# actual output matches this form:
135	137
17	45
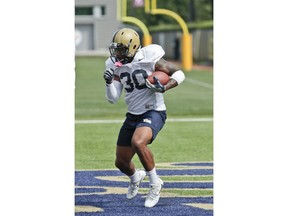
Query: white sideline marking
190	120
96	121
199	83
111	121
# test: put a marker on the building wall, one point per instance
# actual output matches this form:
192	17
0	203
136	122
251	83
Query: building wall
95	31
202	44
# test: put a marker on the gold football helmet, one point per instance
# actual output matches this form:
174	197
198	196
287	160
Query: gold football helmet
124	45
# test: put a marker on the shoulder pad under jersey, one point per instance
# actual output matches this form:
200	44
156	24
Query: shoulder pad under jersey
150	53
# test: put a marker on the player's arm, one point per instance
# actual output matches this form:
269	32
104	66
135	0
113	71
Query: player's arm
113	86
176	75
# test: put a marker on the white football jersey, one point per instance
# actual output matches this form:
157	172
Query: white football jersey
138	97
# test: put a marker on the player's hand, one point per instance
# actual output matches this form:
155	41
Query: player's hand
108	75
157	87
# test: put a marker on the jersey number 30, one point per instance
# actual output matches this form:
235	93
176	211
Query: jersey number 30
134	80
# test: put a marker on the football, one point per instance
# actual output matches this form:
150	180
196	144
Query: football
162	76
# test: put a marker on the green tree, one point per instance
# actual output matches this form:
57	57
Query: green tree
189	10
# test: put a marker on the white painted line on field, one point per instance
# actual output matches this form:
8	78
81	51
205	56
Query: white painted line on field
111	121
199	83
96	121
190	120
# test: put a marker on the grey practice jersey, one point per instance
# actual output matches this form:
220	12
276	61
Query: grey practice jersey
138	97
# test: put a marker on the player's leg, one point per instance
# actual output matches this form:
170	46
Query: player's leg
124	163
144	134
124	155
141	137
146	131
124	150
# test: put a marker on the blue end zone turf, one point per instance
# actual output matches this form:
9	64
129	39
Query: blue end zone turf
98	192
119	205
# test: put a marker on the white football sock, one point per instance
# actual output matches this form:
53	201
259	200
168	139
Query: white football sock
135	177
153	177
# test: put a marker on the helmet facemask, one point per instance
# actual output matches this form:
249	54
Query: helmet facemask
120	52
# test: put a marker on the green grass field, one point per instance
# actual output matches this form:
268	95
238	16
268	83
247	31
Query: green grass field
177	142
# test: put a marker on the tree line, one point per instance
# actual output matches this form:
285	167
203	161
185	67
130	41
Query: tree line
191	11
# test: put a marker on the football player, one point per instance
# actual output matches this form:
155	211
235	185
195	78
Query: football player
128	68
